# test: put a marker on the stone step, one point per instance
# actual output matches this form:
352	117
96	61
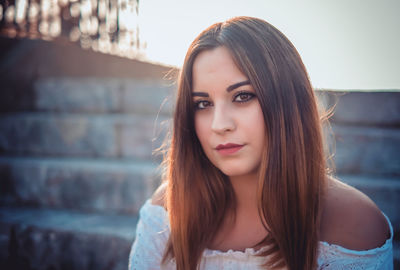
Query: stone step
49	239
82	135
396	253
89	95
107	186
385	192
366	150
100	95
370	108
34	58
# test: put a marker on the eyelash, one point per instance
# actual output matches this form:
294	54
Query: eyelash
197	104
249	94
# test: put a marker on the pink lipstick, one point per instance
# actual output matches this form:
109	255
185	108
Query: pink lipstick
228	149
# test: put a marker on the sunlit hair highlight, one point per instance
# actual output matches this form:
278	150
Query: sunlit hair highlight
292	171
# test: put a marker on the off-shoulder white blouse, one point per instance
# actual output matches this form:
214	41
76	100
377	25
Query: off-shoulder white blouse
152	233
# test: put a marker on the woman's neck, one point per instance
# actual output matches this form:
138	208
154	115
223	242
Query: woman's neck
245	189
244	228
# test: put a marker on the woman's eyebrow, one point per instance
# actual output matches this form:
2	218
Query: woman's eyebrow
236	85
228	89
199	94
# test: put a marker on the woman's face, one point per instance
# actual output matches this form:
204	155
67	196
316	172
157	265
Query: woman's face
228	118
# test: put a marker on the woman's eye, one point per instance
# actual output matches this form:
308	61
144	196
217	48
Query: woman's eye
202	104
243	97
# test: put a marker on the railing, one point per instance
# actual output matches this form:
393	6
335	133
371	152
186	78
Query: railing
108	26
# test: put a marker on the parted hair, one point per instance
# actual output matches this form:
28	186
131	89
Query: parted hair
292	170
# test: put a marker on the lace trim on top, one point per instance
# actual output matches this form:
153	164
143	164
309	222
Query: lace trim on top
246	254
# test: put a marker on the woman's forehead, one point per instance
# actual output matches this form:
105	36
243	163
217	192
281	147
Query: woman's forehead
215	67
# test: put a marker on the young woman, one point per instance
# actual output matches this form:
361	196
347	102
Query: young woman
246	184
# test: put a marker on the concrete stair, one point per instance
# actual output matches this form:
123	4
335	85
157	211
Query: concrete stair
362	107
74	175
77	134
81	135
90	185
32	238
100	95
367	150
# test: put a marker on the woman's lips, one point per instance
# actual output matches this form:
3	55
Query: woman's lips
228	149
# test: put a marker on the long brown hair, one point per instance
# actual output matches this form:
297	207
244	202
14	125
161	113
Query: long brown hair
292	171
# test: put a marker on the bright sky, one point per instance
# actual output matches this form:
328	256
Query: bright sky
345	44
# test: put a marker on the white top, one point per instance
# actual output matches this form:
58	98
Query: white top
153	230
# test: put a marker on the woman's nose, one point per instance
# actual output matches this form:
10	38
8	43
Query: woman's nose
222	120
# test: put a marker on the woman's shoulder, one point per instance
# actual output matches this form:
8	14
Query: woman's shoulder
158	197
152	232
351	219
153	213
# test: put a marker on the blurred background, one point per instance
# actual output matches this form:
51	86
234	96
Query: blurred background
87	89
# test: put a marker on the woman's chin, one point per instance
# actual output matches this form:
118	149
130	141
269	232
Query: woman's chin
237	172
